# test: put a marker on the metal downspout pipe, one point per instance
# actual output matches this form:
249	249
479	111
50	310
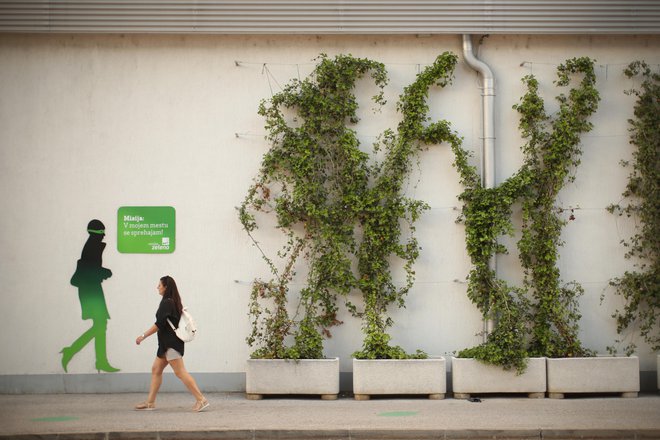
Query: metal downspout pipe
488	147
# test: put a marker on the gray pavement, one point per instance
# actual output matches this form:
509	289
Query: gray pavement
231	416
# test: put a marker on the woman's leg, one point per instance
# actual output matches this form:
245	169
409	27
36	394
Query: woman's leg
185	377
156	378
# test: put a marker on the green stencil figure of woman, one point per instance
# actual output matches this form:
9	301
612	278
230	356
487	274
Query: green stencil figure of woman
88	277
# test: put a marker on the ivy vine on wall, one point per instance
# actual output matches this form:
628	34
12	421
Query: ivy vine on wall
313	180
386	208
640	288
486	214
552	153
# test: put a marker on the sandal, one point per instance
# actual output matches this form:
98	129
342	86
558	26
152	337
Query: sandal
201	405
145	406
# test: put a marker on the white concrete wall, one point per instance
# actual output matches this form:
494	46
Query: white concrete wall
92	123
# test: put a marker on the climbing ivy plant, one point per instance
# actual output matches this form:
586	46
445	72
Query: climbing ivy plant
313	179
540	318
640	288
386	208
486	214
337	206
552	153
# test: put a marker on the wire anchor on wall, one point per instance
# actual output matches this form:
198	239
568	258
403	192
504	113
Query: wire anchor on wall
248	134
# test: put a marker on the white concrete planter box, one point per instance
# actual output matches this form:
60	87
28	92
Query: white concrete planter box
470	376
399	376
593	375
304	376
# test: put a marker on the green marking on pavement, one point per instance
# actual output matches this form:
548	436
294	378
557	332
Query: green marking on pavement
54	419
398	414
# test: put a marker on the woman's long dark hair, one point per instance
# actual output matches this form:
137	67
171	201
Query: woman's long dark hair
171	291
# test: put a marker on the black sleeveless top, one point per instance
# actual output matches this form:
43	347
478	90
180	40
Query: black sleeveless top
166	336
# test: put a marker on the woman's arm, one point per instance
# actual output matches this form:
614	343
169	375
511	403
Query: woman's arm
153	329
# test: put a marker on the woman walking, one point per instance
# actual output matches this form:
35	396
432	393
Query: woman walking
170	347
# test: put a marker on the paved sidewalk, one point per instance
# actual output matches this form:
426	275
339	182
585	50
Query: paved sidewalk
231	416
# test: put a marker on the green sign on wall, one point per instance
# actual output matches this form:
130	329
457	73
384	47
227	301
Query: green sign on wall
146	229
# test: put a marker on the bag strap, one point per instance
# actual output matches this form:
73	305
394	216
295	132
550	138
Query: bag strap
170	322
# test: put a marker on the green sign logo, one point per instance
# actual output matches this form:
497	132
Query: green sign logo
146	229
